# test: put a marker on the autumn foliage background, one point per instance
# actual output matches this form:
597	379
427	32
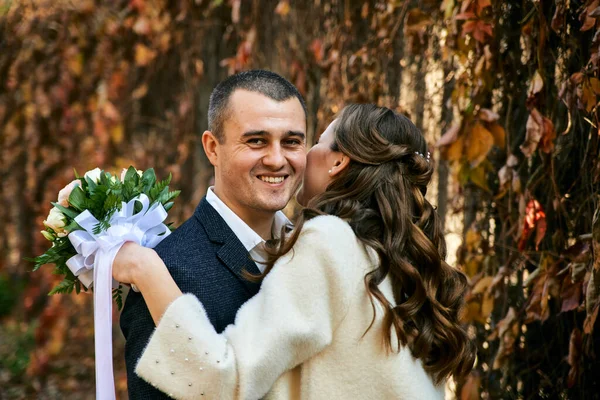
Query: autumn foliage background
506	93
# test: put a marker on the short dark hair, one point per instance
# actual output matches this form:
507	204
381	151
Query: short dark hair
260	81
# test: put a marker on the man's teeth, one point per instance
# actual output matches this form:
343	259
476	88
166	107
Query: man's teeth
272	179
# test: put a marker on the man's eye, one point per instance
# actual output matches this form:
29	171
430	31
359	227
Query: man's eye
256	141
293	142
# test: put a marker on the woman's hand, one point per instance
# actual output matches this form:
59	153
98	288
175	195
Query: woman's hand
132	261
142	267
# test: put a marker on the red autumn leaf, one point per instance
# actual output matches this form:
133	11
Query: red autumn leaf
478	29
465	16
533	215
316	47
540	232
481	4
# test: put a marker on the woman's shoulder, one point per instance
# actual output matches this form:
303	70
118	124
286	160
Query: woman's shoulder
326	229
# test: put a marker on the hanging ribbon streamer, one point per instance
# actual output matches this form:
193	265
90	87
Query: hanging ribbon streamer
93	267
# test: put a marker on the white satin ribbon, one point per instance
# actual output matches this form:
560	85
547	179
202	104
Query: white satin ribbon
93	266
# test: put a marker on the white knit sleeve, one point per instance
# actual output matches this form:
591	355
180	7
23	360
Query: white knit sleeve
292	318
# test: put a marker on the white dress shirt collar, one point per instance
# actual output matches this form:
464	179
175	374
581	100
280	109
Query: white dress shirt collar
249	238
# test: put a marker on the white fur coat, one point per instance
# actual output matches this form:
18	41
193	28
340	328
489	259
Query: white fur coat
300	337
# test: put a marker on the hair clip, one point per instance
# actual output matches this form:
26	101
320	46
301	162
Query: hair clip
428	158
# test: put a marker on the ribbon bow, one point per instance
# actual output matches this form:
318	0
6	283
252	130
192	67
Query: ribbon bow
93	266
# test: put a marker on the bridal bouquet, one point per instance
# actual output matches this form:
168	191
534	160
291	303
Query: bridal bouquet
92	218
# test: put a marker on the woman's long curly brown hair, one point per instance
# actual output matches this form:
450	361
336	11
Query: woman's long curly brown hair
382	194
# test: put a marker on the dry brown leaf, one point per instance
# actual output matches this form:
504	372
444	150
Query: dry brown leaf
488	115
536	85
570	294
590	321
574	357
449	137
534	133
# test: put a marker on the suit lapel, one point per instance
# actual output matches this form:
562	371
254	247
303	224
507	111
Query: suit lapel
232	252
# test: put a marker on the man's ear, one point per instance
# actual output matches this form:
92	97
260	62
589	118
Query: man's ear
341	162
211	145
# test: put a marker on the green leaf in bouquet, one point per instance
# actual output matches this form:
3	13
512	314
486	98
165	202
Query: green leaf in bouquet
160	186
105	178
90	184
162	196
102	225
118	296
77	199
112	202
66	286
68	212
73	226
132	176
148	180
173	195
168	206
130	189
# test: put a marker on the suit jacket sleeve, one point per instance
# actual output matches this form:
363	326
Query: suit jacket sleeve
292	318
137	326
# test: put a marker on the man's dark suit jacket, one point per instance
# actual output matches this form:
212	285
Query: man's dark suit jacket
206	259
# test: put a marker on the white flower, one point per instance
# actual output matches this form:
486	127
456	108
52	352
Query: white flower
124	172
63	195
55	221
94	174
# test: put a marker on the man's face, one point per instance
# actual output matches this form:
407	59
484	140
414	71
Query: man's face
261	160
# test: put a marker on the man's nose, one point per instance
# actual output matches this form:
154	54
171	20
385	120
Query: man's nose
275	157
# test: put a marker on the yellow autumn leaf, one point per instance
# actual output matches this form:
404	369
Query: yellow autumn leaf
499	135
283	8
455	151
479	144
143	55
116	134
478	176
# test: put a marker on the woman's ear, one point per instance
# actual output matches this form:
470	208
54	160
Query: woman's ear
341	162
210	144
